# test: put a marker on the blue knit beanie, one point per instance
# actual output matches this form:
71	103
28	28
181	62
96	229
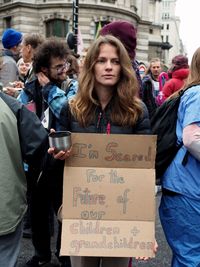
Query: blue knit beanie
11	38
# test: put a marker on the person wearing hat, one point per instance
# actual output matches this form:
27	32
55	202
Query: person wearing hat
126	33
11	41
178	74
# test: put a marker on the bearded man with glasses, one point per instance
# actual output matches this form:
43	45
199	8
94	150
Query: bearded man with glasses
48	92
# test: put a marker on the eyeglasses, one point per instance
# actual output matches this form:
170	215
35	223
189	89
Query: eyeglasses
60	68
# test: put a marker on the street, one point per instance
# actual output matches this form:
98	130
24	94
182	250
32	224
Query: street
162	259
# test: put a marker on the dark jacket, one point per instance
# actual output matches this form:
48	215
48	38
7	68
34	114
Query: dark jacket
33	137
135	66
52	169
147	95
22	138
34	93
102	123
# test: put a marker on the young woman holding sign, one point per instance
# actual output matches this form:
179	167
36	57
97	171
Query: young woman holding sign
105	103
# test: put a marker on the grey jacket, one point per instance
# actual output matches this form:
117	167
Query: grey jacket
22	138
9	70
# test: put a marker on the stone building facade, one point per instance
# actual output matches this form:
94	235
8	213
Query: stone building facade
55	17
170	30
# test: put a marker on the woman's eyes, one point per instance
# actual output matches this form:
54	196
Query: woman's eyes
101	60
112	61
115	61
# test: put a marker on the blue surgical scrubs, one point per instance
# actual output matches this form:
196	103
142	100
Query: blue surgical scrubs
180	204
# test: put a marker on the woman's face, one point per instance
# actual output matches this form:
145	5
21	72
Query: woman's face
107	68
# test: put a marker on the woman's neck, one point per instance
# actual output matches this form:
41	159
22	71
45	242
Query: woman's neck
104	96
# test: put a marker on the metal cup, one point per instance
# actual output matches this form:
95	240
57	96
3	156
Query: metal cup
61	140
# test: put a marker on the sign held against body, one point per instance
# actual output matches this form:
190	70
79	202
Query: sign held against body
109	196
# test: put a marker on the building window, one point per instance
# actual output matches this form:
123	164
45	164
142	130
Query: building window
167	26
166	4
151	31
165	16
99	25
7	22
167	38
108	1
57	27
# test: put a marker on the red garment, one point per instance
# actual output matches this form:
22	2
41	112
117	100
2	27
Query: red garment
130	263
176	82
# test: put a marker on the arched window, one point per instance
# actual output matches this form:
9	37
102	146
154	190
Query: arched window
57	27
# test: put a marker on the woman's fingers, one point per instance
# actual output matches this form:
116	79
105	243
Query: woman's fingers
155	248
51	150
52	130
62	155
142	258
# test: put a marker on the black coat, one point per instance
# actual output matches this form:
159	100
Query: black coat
147	95
101	122
32	135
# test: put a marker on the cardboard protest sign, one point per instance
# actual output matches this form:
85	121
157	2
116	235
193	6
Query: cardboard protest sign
109	196
107	238
116	151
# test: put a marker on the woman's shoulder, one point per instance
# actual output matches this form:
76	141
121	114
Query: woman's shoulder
143	123
144	109
65	109
65	115
190	98
192	91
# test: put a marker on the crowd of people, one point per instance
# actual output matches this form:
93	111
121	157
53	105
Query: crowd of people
44	88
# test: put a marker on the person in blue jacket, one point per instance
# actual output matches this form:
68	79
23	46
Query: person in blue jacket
180	204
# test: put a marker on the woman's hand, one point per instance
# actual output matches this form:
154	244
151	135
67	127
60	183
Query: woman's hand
62	155
155	248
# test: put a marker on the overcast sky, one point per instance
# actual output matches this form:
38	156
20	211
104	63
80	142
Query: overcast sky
189	13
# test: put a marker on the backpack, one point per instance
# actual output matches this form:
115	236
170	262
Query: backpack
163	124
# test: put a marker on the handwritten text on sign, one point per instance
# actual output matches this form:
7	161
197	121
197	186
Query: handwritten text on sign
108	194
117	151
91	237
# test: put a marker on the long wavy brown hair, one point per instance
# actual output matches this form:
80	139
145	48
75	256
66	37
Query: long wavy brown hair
194	73
126	107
